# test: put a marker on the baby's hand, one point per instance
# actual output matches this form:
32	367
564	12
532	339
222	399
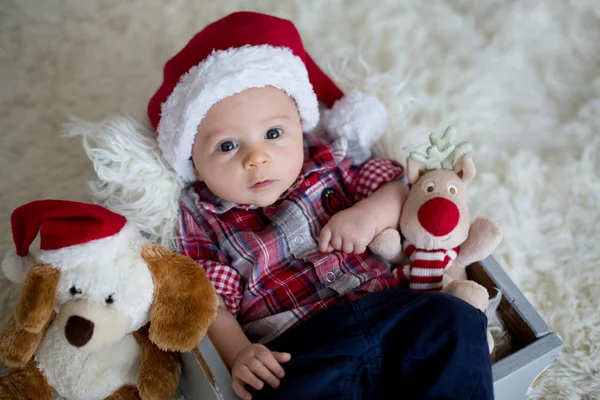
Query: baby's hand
350	230
254	365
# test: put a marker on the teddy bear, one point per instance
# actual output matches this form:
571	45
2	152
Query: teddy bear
102	313
436	239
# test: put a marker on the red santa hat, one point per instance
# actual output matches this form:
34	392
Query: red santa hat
61	224
250	50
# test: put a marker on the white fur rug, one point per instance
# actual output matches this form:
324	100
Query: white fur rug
519	79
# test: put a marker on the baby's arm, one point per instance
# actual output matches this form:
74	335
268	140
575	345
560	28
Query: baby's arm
385	204
249	363
351	230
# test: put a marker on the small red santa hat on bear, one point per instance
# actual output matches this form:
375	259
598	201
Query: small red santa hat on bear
250	50
63	225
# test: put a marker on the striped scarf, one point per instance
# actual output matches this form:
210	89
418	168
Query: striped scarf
426	269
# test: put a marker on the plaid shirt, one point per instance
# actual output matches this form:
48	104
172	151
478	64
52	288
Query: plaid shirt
264	262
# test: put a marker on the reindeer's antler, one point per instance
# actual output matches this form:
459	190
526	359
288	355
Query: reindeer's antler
442	153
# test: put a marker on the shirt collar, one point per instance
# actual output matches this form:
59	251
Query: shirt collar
318	156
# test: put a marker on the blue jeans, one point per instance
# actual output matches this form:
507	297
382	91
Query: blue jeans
388	345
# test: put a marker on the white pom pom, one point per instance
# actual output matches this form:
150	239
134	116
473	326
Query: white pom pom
359	117
15	267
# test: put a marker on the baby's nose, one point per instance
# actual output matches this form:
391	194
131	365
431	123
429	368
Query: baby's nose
439	216
257	158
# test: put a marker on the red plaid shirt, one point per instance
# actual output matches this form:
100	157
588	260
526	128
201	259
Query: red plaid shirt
264	262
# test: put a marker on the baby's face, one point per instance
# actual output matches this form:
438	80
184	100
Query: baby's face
249	147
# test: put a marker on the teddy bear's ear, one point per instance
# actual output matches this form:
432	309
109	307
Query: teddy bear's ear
37	298
17	346
185	303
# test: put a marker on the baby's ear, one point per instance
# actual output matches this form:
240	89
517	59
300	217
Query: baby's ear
196	173
185	302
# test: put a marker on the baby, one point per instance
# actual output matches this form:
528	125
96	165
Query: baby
280	220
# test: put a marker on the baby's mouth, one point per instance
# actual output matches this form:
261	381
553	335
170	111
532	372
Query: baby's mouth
262	184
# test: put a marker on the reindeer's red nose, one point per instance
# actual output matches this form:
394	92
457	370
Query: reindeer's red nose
439	216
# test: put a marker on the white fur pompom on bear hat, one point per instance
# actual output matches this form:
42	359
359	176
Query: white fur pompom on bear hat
15	268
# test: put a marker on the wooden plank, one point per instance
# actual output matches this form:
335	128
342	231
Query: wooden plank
516	375
194	383
518	330
515	297
220	373
204	375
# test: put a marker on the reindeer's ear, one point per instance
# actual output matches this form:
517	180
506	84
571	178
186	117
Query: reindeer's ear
414	170
465	168
37	298
185	303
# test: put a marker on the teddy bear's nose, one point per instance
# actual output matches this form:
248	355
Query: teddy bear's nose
439	216
79	330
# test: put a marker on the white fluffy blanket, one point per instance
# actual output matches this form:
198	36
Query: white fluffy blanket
519	79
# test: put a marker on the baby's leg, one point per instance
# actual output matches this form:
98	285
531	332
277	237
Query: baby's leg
415	345
327	359
434	346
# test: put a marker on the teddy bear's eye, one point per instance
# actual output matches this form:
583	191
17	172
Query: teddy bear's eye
74	291
110	299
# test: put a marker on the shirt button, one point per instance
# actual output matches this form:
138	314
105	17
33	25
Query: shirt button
330	276
298	239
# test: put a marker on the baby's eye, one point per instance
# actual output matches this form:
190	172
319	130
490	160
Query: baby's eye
110	299
227	146
74	291
273	133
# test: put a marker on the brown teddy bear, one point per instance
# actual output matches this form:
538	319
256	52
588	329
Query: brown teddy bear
103	313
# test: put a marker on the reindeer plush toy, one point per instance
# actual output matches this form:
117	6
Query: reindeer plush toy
103	313
436	239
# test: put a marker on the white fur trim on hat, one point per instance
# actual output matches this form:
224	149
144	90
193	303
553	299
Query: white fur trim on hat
359	117
15	268
95	252
223	74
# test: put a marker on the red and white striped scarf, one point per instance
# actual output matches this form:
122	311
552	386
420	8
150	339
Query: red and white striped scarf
426	270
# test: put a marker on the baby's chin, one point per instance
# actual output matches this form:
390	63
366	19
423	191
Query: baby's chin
264	197
265	201
254	199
